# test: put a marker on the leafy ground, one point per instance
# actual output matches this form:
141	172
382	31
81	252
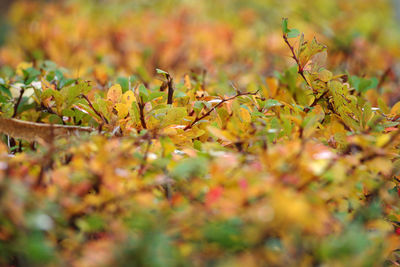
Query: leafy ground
180	133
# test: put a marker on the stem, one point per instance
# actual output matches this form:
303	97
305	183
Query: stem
382	78
141	112
170	83
223	100
145	156
94	110
318	99
21	92
300	68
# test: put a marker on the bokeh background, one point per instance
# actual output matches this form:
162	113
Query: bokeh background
279	185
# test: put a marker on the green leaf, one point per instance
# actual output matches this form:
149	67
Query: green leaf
124	82
293	33
144	93
5	91
272	103
363	84
154	95
55	119
285	29
159	71
190	167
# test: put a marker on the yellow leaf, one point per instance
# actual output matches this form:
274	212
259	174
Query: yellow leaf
174	115
114	93
381	165
272	85
23	66
325	75
188	84
395	109
245	115
308	50
221	134
382	140
122	110
128	98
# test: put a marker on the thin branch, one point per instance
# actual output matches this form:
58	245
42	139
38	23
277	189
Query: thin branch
317	99
21	92
94	110
223	100
145	156
170	83
383	78
141	105
203	79
300	68
51	111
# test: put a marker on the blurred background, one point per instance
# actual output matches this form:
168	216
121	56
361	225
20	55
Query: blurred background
229	39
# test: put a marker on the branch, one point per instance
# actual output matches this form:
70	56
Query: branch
51	111
318	99
21	92
144	160
300	68
223	100
170	83
32	131
94	110
141	105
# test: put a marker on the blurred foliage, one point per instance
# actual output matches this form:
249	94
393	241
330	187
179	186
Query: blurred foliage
205	148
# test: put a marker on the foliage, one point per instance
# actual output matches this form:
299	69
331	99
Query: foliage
301	168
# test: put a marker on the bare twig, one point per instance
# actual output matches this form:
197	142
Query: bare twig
383	78
141	105
223	100
21	92
318	99
170	84
300	69
145	156
94	110
51	111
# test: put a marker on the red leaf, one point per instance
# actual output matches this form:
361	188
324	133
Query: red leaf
397	231
213	195
391	129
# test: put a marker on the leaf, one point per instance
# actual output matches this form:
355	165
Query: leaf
221	134
72	92
58	97
272	86
114	94
159	71
23	66
272	103
367	113
124	82
363	84
308	50
382	106
128	98
173	115
190	167
245	115
293	33
143	93
285	29
122	110
155	95
395	109
325	75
